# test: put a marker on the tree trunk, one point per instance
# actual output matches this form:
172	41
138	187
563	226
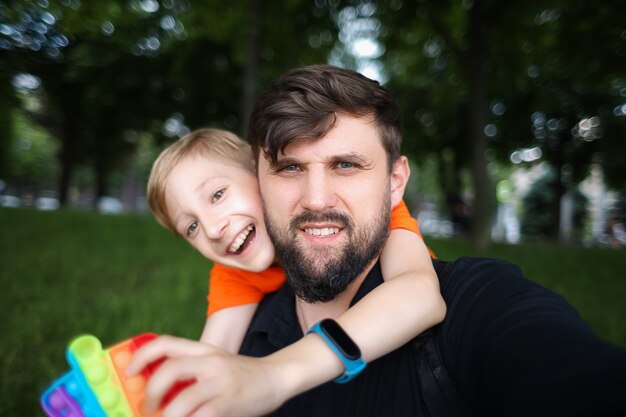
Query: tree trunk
7	102
559	189
449	171
68	155
483	198
101	169
67	168
251	71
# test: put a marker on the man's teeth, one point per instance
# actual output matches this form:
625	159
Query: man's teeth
240	239
322	232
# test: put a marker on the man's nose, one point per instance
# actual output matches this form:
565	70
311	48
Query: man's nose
318	193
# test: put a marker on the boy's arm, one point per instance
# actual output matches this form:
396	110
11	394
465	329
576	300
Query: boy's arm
233	297
409	298
226	328
237	385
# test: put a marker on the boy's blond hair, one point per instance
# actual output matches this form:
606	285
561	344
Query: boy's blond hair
215	143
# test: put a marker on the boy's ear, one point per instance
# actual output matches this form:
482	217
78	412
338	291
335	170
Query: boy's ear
399	178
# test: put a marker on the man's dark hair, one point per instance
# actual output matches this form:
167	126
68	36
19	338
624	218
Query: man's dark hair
304	102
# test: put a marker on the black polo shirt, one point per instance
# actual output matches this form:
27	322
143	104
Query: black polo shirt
508	347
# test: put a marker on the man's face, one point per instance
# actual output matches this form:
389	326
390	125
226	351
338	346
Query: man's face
327	205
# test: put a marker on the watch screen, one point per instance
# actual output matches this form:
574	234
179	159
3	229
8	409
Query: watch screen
341	339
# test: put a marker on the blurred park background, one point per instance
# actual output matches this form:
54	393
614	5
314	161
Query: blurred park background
514	123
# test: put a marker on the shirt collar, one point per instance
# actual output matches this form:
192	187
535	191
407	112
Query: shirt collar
277	315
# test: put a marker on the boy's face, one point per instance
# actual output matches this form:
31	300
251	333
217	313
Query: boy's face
216	207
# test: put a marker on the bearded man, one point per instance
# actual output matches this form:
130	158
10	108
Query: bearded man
327	144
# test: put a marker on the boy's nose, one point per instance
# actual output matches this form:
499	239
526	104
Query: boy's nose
216	228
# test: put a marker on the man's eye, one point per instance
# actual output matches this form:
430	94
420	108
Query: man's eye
345	165
192	228
217	195
288	169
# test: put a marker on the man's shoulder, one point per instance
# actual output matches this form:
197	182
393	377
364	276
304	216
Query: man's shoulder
468	275
502	328
481	291
475	267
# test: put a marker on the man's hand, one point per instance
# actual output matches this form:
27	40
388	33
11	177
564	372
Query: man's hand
225	384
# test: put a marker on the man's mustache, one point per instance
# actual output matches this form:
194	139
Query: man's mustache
331	216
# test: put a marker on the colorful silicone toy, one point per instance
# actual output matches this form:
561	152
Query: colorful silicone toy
103	370
67	397
97	385
59	403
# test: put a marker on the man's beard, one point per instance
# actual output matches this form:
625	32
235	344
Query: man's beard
320	274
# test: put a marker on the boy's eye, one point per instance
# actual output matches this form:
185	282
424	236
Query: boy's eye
192	228
291	168
217	195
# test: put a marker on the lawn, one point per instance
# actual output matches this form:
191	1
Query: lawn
66	273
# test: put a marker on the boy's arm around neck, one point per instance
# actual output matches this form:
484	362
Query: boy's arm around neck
226	328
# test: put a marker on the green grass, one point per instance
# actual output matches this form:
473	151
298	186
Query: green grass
66	273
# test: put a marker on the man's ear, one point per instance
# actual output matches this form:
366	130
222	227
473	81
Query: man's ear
399	178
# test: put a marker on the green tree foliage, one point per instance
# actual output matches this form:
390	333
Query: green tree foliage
236	49
521	75
568	80
31	155
111	68
94	83
438	70
477	80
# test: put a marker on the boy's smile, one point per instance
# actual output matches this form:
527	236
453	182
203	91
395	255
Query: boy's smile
216	206
242	240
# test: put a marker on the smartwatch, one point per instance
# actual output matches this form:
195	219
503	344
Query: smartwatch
344	347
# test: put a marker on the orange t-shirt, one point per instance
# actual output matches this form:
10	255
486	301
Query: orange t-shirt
230	287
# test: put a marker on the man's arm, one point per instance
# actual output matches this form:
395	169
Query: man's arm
517	349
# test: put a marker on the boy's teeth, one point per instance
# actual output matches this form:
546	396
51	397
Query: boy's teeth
326	231
240	239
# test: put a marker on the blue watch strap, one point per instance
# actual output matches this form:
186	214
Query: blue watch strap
340	343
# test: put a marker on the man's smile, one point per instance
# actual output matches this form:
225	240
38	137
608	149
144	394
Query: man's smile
326	231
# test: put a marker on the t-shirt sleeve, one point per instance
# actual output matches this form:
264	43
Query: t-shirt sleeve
231	287
401	219
516	348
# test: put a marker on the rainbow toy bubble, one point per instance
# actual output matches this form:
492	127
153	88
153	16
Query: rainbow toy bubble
67	397
97	386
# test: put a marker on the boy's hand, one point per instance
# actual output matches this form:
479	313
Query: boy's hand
226	384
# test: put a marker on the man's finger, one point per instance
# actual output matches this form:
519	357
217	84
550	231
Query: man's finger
188	401
169	373
163	347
